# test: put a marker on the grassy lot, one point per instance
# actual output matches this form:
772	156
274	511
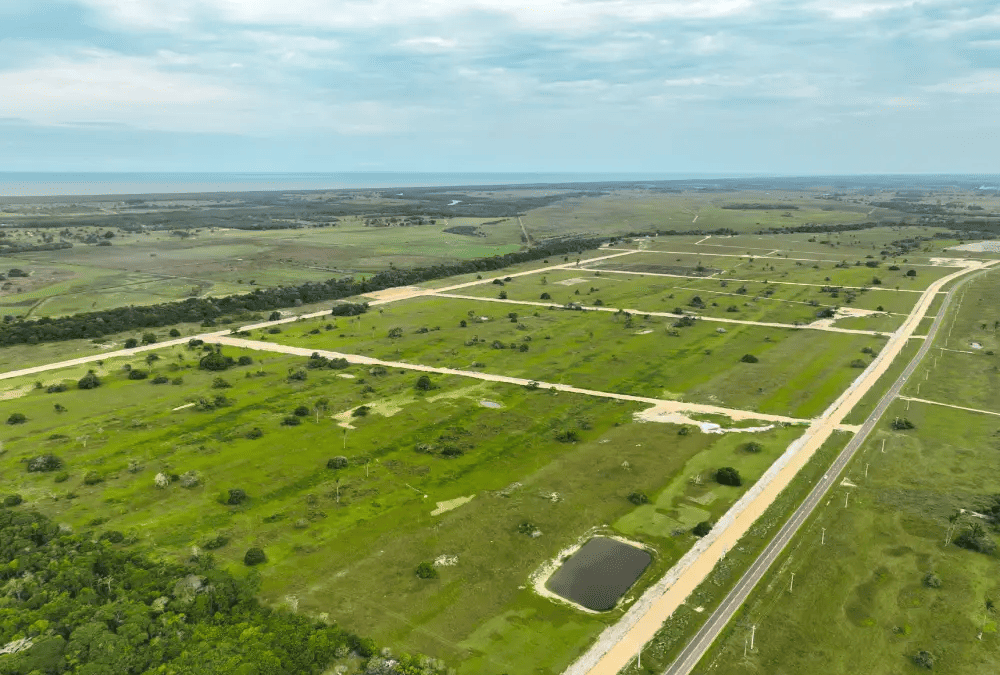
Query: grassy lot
345	542
747	301
860	602
604	351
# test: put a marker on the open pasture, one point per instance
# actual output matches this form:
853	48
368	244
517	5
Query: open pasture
344	541
862	601
603	351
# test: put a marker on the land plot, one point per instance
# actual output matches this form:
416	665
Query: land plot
724	298
341	540
884	586
779	269
604	351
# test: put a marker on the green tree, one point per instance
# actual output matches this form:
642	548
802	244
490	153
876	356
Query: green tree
727	475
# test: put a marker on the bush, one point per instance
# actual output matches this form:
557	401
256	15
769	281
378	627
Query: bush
932	580
912	273
160	379
702	528
254	433
424	383
546	296
426	570
114	536
215	361
218	541
244	361
727	475
923	659
148	338
902	424
291	421
752	447
567	436
12	500
220	383
859	363
236	496
638	498
502	295
301	411
56	388
361	411
92	478
254	556
61	477
339	462
749	358
137	374
131	343
43	463
88	381
174	333
17	418
299	375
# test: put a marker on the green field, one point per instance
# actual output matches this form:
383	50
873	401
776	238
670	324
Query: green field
604	351
345	542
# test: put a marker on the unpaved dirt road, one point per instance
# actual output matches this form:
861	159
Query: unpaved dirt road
618	644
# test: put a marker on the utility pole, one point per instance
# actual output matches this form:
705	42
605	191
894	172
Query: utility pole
791	583
883	445
822	536
846	497
753	629
866	471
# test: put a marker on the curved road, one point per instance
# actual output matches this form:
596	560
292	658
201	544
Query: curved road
695	649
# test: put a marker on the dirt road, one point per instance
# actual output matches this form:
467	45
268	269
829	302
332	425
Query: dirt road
619	644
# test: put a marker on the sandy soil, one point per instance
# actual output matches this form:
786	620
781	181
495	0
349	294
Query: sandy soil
451	504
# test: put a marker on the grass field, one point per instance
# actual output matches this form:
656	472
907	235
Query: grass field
604	351
345	542
861	601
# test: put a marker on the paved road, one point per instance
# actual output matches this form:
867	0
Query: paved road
695	649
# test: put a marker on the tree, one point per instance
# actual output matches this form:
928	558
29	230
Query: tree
131	343
321	406
339	462
137	374
215	360
244	360
545	296
17	418
932	580
274	316
638	498
235	496
953	520
254	556
902	424
301	411
426	570
924	659
749	358
148	338
396	332
44	463
752	447
727	475
424	383
12	500
911	273
702	528
174	333
503	295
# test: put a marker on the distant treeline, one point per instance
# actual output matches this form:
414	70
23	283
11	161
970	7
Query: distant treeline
761	207
7	248
105	322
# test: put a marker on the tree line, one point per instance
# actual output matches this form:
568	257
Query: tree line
208	310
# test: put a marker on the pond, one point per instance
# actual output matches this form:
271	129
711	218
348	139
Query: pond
599	573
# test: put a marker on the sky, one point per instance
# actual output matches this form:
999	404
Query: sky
790	87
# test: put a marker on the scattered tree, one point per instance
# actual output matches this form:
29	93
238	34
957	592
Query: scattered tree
254	556
426	570
17	418
702	528
727	475
424	383
638	498
749	358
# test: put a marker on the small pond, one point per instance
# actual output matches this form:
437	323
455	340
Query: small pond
599	573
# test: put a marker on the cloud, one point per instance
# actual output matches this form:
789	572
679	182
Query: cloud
982	82
852	9
428	44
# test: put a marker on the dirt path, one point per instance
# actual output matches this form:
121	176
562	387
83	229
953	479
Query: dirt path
748	281
664	405
615	310
618	644
527	238
949	405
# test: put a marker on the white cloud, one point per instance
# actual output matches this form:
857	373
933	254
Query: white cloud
982	82
558	15
428	44
852	9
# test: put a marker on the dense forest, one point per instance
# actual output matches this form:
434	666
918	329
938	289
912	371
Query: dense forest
86	605
209	310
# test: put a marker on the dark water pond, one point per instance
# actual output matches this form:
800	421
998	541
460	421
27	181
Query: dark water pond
598	574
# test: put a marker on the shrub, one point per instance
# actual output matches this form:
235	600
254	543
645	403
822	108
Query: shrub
138	374
17	418
244	361
215	361
195	342
424	383
452	451
160	379
44	463
114	536
12	500
218	541
502	295
291	421
56	388
92	478
235	496
749	358
568	436
220	383
638	498
174	333
148	338
752	447
859	363
254	556
360	411
301	411
902	424
61	477
131	343
425	570
727	475
702	528
395	332
190	479
912	273
932	580
684	430
299	375
177	380
923	659
546	296
88	381
339	462
274	316
254	433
